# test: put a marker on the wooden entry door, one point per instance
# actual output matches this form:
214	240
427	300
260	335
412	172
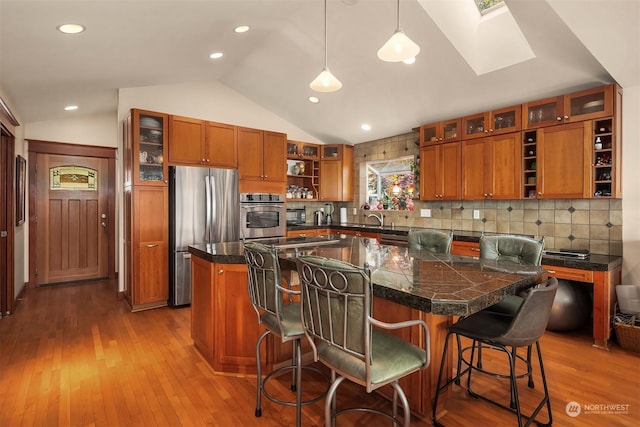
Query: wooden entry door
71	217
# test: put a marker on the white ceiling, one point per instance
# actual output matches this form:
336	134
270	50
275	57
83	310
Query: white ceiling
131	43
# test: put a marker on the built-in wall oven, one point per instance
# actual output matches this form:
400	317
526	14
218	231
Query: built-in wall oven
262	215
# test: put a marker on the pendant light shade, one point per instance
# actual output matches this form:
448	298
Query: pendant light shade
326	81
399	47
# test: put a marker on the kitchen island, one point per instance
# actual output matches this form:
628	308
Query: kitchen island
407	284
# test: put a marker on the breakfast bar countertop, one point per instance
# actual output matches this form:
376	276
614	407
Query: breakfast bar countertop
434	283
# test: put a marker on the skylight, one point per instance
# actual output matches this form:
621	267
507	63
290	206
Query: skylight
486	6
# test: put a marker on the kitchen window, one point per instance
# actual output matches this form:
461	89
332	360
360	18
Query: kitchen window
392	184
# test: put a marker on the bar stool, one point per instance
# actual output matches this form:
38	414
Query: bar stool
506	334
431	240
517	249
280	315
336	314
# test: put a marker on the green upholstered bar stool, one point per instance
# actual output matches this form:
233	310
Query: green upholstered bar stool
337	317
431	240
507	334
280	315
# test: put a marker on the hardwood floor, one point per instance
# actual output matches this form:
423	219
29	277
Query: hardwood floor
75	355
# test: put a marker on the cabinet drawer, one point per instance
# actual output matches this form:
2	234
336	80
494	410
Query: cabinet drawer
465	248
569	273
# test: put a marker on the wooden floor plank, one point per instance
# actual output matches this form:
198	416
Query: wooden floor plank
75	355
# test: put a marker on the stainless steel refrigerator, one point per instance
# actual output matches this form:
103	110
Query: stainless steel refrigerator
203	209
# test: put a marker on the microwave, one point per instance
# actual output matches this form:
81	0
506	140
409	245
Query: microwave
296	216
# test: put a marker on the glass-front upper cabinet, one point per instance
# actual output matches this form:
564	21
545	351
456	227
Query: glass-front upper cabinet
574	107
440	132
503	120
331	152
543	112
306	150
149	135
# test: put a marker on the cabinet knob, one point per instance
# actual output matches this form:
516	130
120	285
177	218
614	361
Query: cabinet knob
490	130
486	195
566	117
490	194
203	160
207	160
558	118
221	271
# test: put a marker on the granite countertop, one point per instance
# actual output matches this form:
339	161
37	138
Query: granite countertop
437	283
594	262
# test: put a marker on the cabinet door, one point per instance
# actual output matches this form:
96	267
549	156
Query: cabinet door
505	154
331	152
589	104
430	185
330	180
450	171
250	162
506	120
475	126
237	329
186	141
221	145
149	137
274	156
476	169
202	306
564	161
150	242
543	112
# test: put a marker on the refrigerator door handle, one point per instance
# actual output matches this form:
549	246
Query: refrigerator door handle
186	255
208	222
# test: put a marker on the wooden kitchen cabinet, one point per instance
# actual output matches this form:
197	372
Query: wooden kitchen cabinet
146	247
578	106
336	173
440	172
491	167
495	122
461	247
262	165
607	158
440	132
303	150
146	207
564	157
145	143
224	325
194	142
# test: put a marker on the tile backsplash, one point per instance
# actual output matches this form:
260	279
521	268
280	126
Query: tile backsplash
594	224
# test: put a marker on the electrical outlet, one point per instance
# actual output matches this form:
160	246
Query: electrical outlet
425	213
476	214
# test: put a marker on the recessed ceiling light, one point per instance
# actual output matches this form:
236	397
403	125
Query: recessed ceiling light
216	55
410	60
366	126
70	28
71	107
314	99
241	29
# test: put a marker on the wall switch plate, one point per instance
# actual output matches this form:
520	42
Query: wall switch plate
476	214
355	211
425	213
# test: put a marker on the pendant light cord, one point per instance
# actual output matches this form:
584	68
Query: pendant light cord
398	16
325	34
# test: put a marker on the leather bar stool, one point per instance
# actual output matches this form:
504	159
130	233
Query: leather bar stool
507	334
337	317
280	315
431	240
517	249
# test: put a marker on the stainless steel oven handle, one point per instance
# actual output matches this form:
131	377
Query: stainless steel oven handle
261	205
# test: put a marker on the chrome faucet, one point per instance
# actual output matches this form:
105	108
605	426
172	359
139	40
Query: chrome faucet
379	216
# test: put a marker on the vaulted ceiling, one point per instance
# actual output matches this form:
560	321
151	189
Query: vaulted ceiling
461	69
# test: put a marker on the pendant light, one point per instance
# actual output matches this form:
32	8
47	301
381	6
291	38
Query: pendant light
326	81
399	47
